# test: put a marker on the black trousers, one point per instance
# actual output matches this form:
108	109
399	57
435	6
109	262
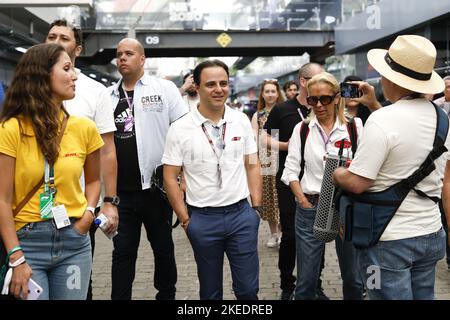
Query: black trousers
92	231
136	208
286	255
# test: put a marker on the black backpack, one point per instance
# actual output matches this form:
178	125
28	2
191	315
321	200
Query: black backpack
304	131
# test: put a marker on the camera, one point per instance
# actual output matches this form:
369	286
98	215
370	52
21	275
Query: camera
350	90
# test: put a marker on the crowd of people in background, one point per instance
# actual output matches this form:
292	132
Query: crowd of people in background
147	150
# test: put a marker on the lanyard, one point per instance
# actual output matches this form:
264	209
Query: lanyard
325	138
301	114
128	100
49	178
211	144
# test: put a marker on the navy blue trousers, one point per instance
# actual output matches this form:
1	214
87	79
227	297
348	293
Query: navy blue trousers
233	230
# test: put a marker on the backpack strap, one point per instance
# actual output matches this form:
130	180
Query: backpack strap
439	148
38	185
304	131
353	134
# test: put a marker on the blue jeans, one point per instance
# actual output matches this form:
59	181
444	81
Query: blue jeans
309	259
309	254
60	259
233	230
406	267
148	208
352	283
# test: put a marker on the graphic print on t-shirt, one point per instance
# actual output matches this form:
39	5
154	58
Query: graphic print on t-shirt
128	172
123	116
126	117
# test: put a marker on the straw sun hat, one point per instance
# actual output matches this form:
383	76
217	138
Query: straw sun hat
409	63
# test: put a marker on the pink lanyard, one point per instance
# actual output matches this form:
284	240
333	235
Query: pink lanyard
325	138
128	100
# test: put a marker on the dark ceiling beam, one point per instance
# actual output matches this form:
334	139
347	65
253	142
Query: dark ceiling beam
45	3
198	40
16	22
99	47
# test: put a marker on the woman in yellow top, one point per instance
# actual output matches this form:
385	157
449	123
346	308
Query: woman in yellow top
48	238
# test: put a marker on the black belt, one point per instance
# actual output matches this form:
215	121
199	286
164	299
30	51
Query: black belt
312	198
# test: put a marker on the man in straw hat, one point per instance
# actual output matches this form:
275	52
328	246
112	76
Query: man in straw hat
396	141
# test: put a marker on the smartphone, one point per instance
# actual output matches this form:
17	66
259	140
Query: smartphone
34	290
350	90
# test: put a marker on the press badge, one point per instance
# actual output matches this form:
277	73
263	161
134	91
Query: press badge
60	216
46	205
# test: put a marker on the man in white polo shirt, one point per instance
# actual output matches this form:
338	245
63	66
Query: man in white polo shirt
215	146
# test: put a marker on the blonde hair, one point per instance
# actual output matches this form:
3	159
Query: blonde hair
329	79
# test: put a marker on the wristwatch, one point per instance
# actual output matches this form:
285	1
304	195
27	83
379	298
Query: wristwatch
257	209
114	200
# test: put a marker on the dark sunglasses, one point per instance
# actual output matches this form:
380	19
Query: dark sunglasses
324	100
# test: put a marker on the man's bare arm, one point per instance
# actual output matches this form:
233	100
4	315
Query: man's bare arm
108	163
351	182
254	178
175	194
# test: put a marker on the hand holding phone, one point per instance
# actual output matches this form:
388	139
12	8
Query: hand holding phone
34	290
350	90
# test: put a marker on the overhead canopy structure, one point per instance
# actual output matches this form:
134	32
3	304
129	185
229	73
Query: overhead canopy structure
45	3
100	47
176	28
244	28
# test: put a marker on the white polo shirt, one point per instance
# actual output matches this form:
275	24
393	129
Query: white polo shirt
92	101
188	146
316	147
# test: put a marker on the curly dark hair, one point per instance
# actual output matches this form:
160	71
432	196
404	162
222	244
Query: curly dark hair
29	97
288	84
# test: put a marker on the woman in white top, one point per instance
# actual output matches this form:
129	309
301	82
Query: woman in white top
269	95
327	127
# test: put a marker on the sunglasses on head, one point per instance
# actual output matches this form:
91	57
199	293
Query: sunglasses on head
270	80
324	100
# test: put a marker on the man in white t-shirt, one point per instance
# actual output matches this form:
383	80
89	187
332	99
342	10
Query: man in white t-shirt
92	101
215	146
396	140
189	91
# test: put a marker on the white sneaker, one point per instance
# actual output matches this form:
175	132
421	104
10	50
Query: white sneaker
272	242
